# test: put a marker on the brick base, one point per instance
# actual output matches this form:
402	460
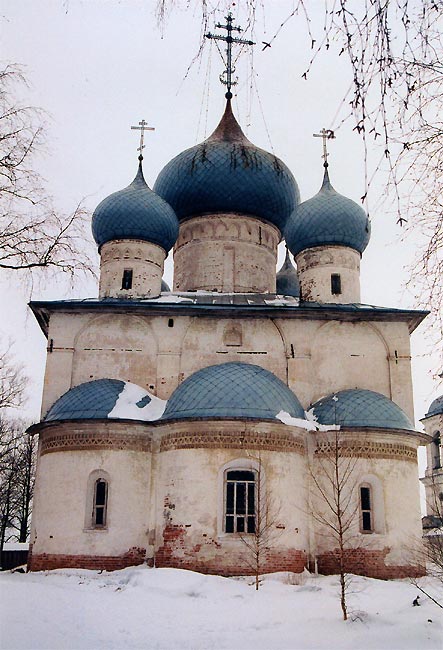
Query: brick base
210	557
367	562
47	561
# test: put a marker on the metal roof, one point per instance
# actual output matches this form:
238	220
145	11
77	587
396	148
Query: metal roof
436	407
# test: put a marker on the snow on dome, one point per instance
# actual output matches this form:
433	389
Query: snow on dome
361	408
135	212
328	218
228	174
232	390
106	398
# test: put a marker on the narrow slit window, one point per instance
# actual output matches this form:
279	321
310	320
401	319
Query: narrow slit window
335	284
240	501
366	524
127	279
100	503
436	451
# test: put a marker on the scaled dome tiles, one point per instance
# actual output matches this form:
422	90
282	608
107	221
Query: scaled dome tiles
228	174
436	407
328	218
135	212
232	390
362	409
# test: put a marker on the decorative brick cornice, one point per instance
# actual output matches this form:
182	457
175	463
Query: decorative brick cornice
232	440
368	449
76	441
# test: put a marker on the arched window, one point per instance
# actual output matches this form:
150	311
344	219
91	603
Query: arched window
100	503
240	501
436	451
366	512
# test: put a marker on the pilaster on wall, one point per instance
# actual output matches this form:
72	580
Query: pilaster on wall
226	253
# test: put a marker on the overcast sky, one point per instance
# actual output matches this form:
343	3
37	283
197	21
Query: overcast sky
99	66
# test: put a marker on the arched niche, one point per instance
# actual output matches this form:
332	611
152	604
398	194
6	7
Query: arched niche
213	341
349	355
118	347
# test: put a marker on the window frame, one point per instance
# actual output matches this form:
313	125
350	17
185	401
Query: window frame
238	464
127	279
336	285
94	478
235	514
368	510
102	507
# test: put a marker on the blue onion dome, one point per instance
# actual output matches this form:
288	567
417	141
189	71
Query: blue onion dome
164	286
135	212
287	279
328	218
361	408
230	391
436	407
106	398
228	174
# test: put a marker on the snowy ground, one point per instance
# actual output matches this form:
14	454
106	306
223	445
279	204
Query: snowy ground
173	609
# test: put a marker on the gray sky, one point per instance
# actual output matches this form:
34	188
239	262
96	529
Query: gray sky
99	66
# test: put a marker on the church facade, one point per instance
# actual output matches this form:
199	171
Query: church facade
181	428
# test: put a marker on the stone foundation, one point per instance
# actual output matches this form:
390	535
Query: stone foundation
365	562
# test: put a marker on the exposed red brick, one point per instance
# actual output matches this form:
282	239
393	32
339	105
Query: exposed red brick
48	561
367	562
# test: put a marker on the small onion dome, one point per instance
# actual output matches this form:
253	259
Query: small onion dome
230	391
228	174
328	218
361	408
135	213
164	286
106	398
436	407
287	279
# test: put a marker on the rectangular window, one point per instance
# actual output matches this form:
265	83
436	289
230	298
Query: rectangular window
100	503
366	509
127	279
335	284
240	501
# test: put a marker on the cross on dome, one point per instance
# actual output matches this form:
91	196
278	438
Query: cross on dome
143	126
326	134
229	39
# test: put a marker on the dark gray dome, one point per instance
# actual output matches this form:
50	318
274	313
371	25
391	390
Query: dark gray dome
287	279
327	218
436	407
135	212
164	286
226	174
361	408
95	400
232	390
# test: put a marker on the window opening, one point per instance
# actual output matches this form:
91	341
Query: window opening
100	503
127	279
171	322
366	509
335	284
436	451
240	501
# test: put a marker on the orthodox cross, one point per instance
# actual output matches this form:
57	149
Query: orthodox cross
229	39
326	134
143	126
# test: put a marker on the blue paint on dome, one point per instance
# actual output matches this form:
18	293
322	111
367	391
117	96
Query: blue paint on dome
228	174
135	212
436	407
287	283
328	218
361	408
232	390
164	286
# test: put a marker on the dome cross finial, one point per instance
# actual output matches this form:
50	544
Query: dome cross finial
143	126
226	76
326	134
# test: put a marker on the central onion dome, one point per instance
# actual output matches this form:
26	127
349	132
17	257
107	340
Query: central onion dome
328	218
136	212
228	174
232	390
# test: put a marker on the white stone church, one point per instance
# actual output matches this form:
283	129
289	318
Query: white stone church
170	418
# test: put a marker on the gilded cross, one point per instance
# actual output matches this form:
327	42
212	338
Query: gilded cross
142	127
229	39
326	134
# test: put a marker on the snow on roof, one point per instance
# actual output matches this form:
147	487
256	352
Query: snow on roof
135	403
310	423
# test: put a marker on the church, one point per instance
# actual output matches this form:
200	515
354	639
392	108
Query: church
187	428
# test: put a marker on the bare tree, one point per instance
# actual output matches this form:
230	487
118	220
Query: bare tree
263	533
333	501
12	380
33	234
